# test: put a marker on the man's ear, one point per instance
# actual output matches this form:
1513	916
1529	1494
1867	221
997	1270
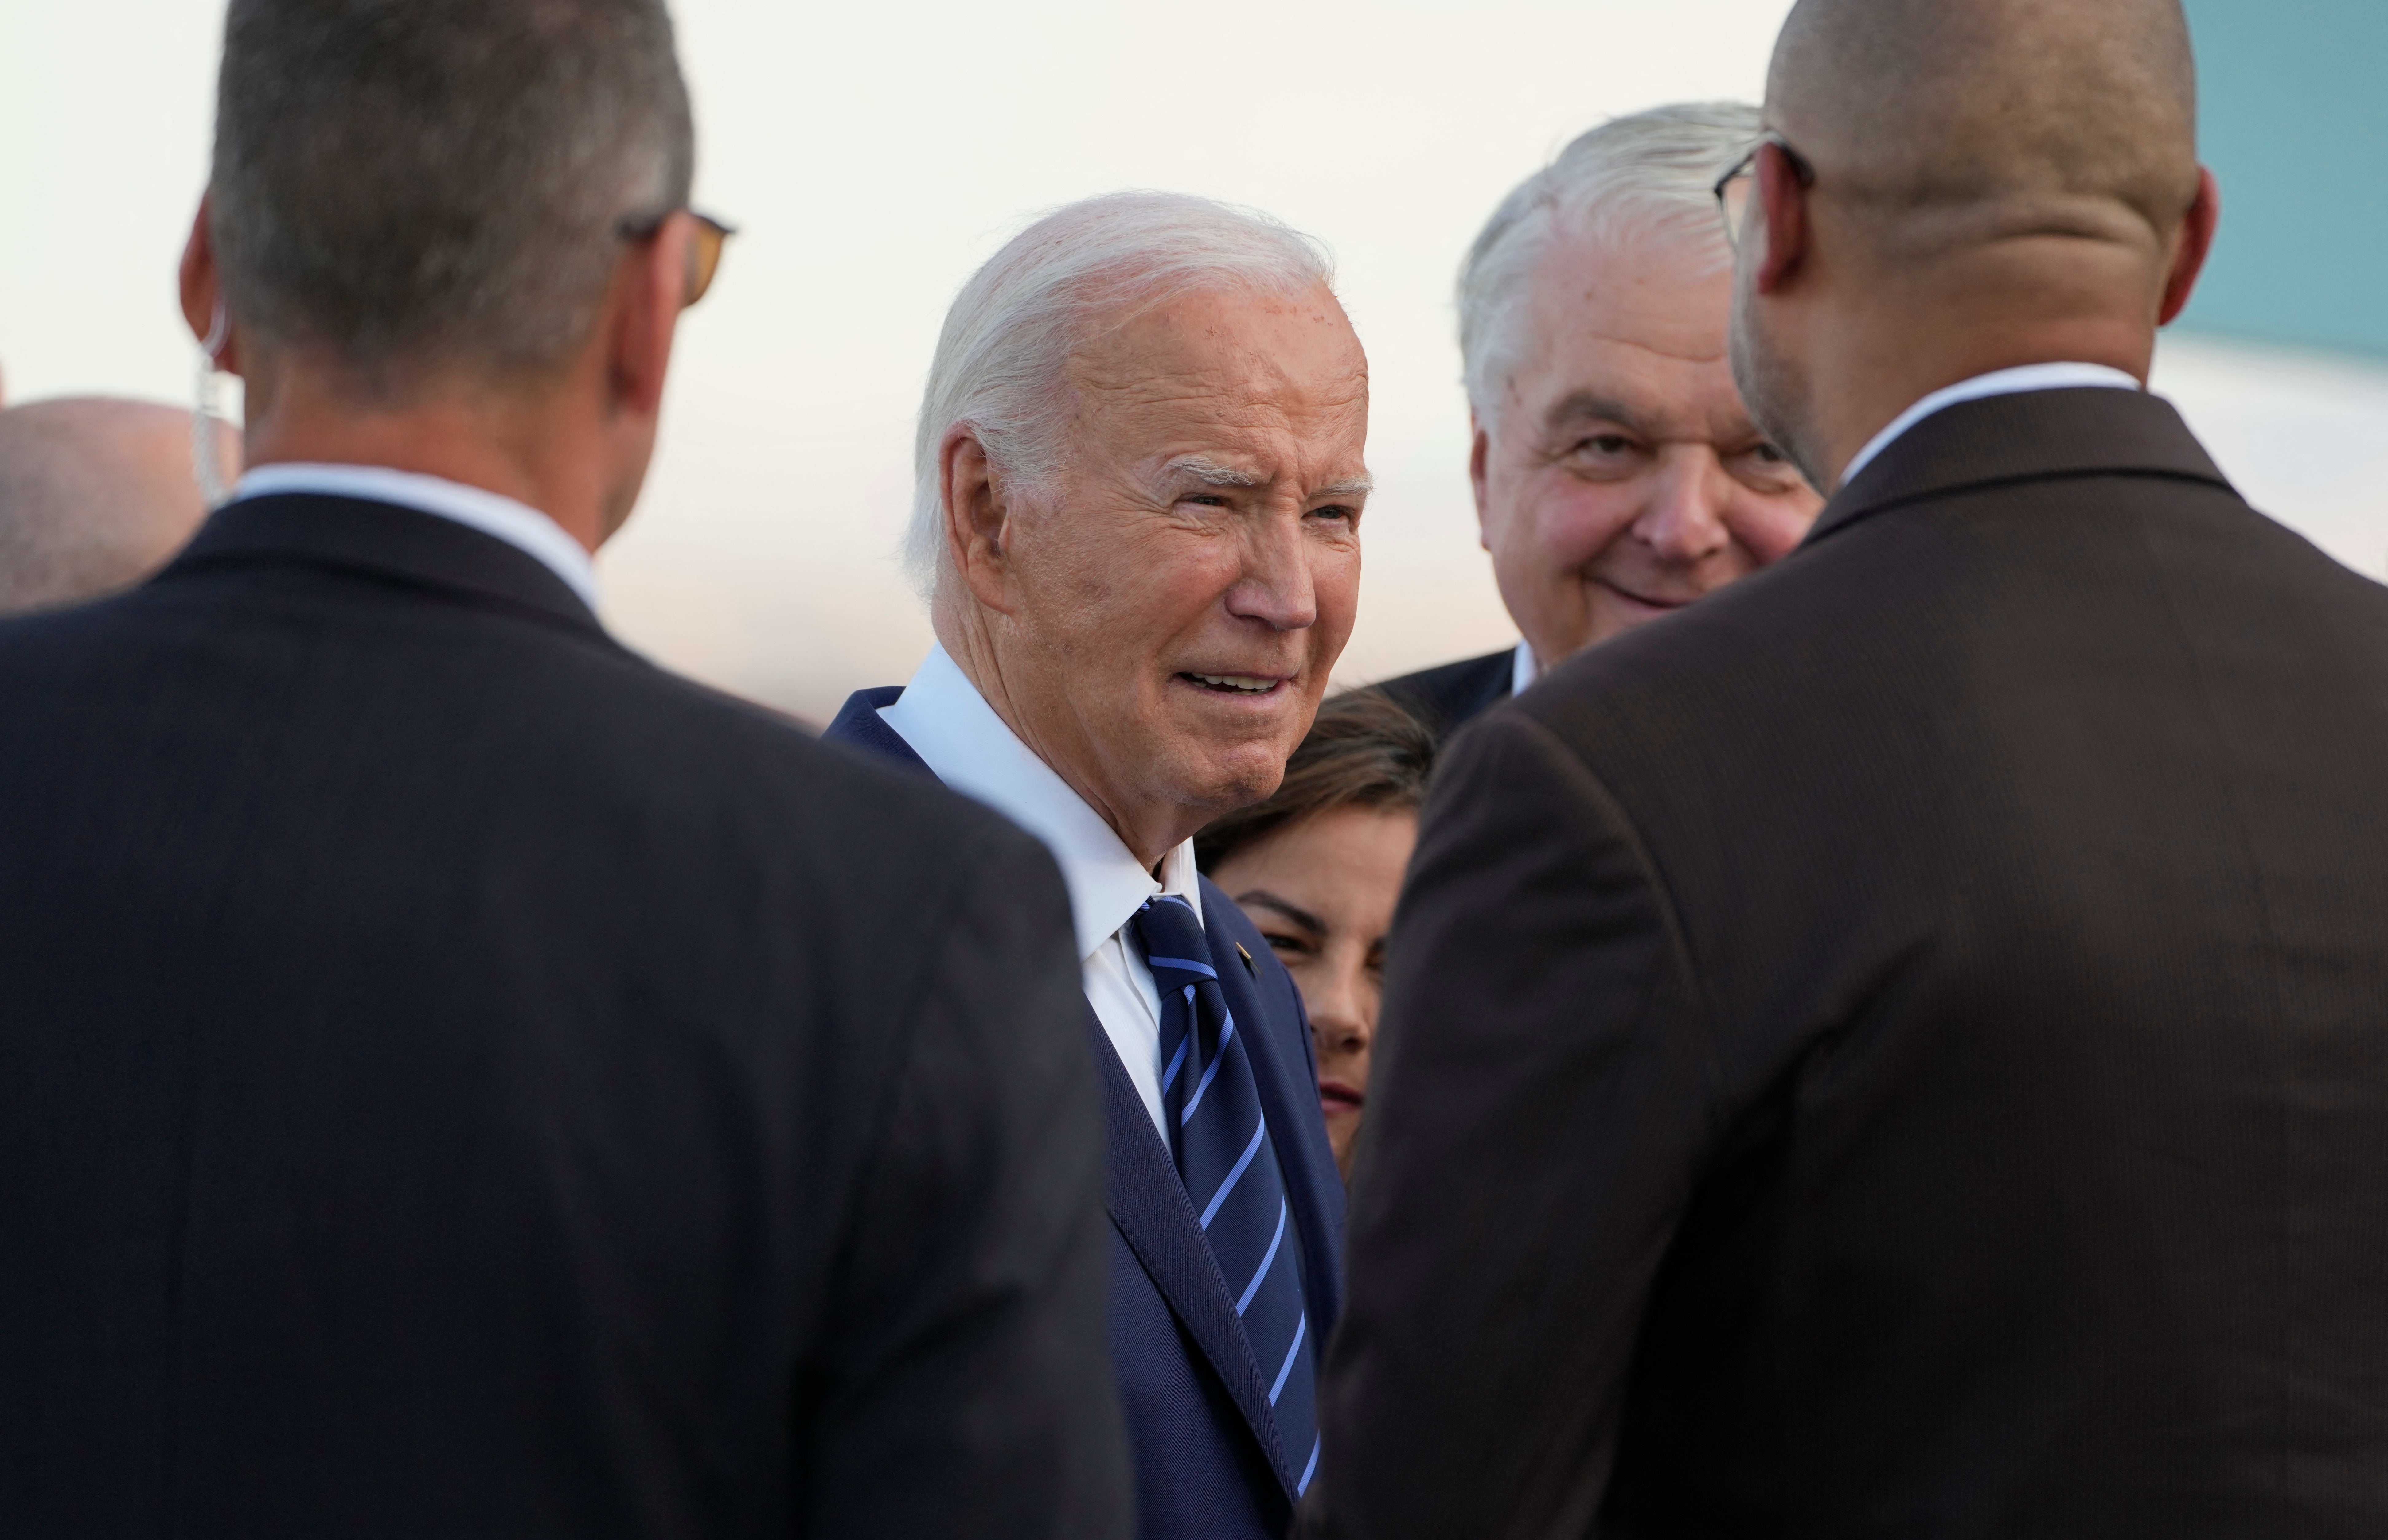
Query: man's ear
642	315
2196	240
1783	199
1479	451
978	517
202	292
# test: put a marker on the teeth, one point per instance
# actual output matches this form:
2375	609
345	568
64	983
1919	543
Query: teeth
1245	683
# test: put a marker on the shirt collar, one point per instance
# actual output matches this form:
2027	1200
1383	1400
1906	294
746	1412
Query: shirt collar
959	737
1522	668
517	523
2002	382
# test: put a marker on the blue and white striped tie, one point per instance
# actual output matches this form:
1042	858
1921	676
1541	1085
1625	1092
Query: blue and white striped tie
1228	1164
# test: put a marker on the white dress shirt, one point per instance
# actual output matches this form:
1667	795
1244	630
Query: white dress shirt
517	523
2000	381
950	725
1523	669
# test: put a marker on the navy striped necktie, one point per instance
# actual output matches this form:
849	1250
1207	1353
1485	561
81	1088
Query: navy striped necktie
1224	1156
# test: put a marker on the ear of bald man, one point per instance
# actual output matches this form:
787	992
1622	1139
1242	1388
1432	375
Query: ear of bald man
2025	189
1895	1047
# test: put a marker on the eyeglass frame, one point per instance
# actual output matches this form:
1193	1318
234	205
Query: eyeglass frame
712	234
1747	165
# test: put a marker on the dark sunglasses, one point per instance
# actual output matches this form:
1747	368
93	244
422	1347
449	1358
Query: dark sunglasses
706	256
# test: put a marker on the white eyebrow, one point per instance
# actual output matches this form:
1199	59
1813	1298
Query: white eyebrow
1210	472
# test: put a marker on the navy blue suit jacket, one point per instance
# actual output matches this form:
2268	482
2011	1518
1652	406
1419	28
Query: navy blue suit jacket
1209	1463
1447	698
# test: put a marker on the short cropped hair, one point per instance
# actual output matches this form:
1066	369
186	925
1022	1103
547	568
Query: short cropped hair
1088	267
1650	176
1367	749
414	186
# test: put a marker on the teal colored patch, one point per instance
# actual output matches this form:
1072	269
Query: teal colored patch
2293	116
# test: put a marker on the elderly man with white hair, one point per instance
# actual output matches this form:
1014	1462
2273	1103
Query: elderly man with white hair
1618	475
1137	526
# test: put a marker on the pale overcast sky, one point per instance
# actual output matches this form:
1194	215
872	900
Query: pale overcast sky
873	155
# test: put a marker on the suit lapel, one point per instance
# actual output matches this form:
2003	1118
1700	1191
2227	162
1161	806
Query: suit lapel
1148	1203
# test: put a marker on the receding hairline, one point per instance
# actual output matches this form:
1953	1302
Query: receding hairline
1629	186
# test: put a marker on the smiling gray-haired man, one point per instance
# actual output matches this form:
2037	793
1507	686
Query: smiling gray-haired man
1140	485
1617	476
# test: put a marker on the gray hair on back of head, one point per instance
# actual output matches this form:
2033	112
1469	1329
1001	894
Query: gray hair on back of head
1651	176
1078	271
409	187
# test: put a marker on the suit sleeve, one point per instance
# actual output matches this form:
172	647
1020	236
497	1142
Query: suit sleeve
1533	1123
968	1388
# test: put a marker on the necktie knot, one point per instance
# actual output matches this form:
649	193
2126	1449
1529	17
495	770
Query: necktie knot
1172	941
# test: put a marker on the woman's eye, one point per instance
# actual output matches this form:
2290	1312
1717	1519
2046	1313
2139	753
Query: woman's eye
1285	946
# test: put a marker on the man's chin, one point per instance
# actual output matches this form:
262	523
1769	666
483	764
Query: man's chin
1230	752
1219	778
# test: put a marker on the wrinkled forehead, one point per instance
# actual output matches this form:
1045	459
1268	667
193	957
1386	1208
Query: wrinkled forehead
1632	331
1274	376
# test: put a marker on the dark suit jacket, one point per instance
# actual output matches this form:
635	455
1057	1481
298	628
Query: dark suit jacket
1209	1463
1448	697
456	1079
1901	1047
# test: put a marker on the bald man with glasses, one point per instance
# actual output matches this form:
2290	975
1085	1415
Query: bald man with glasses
1899	1049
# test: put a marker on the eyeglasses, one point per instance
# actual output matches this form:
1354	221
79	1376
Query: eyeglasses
1740	179
706	258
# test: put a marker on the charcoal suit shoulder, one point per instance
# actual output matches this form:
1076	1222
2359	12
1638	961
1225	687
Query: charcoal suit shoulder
516	1083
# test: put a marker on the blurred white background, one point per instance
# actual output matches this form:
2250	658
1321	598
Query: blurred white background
873	156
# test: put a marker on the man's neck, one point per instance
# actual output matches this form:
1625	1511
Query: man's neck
1880	372
1150	834
517	445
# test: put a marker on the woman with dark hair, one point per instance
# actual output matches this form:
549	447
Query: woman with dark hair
1317	867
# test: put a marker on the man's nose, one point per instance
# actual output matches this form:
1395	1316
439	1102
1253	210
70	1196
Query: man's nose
1277	585
1683	521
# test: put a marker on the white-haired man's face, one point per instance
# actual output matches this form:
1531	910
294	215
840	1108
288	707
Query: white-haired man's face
1620	477
1159	622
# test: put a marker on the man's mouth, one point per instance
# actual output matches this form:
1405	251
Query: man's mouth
1645	600
1234	683
1335	1097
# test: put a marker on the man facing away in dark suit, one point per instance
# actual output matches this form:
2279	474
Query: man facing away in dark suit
1617	476
456	1079
1137	524
1901	1048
